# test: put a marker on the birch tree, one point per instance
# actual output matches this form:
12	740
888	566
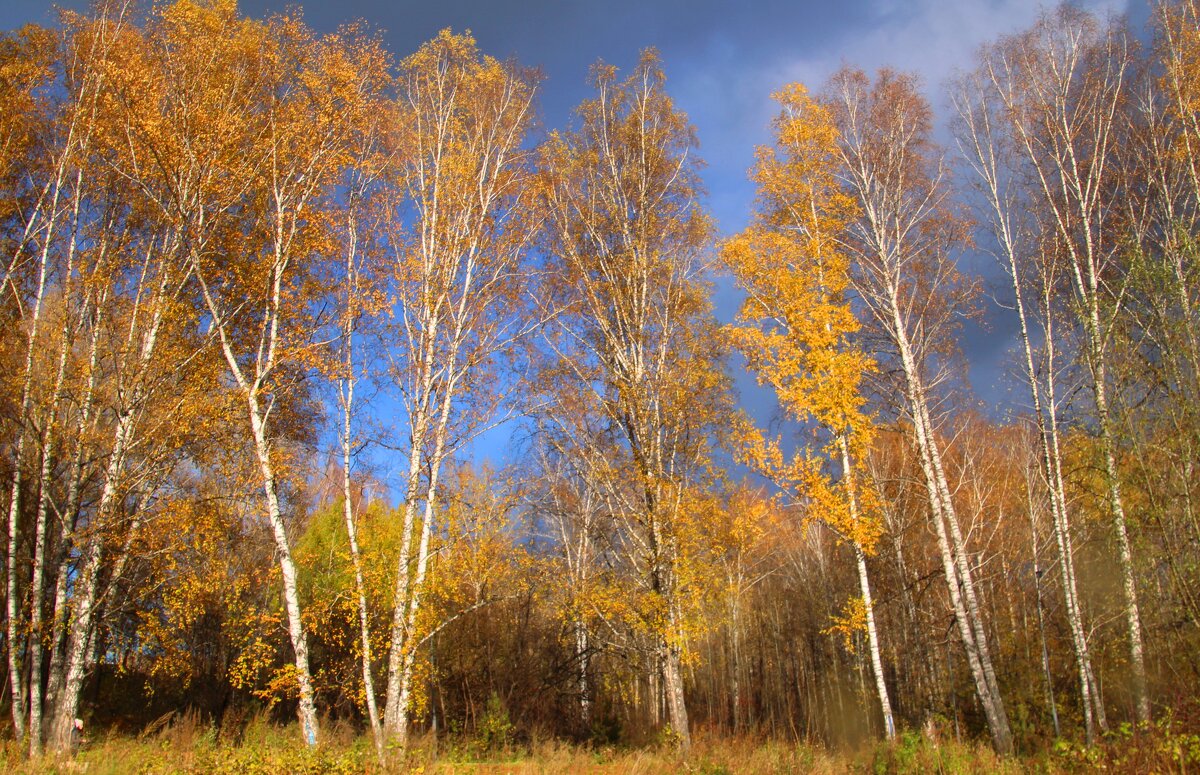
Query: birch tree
1160	200
905	275
458	228
360	302
42	258
72	220
283	138
1022	251
795	329
633	335
1061	89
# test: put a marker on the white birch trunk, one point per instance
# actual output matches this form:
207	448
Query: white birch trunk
15	669
81	625
306	707
955	563
582	679
346	387
393	720
37	587
59	619
1069	145
677	713
347	396
864	585
408	661
987	156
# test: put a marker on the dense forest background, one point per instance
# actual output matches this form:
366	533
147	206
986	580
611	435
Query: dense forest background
245	266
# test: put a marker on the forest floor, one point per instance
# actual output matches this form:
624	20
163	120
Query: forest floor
188	747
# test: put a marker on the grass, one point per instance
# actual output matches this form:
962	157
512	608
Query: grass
185	744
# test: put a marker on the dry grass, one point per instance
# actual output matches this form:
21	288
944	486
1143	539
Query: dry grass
185	744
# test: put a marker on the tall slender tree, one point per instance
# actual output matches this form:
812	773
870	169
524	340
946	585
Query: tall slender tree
796	328
912	295
633	335
278	131
1010	218
459	224
1061	90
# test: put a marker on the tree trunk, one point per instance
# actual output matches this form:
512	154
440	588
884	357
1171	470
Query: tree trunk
346	399
954	561
81	627
582	680
37	587
672	681
15	668
392	720
864	584
306	710
1133	616
359	584
1046	419
1041	624
409	661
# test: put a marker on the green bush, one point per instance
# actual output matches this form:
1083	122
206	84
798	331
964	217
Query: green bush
495	730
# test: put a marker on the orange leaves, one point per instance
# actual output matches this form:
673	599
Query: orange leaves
849	623
237	132
479	558
797	321
207	614
457	217
798	191
626	231
1179	52
796	326
634	387
25	71
461	120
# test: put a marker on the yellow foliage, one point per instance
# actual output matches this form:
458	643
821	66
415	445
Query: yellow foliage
851	621
796	326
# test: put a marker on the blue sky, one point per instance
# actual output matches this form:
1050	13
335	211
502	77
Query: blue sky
723	59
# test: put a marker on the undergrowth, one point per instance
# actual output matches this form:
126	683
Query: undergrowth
186	744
